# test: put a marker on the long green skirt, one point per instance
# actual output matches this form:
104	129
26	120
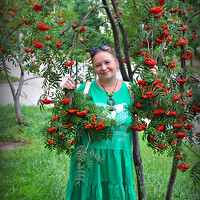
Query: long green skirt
110	180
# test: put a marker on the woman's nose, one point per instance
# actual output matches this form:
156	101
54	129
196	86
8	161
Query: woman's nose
103	66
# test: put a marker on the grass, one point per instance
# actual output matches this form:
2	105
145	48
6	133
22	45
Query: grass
157	171
30	172
193	69
33	172
4	80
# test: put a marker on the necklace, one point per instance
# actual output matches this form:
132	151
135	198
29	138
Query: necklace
110	94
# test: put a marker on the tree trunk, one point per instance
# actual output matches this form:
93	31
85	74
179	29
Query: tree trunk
138	166
17	110
17	94
116	40
172	179
191	61
174	169
126	50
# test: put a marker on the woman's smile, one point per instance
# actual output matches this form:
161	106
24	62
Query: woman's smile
105	72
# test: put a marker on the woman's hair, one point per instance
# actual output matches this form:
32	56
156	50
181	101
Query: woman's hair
105	47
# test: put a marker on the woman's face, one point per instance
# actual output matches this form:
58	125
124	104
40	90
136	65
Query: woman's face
105	65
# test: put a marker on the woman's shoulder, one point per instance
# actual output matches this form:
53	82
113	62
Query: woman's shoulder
83	85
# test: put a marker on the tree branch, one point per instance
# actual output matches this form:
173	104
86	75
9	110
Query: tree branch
174	170
188	20
138	166
21	78
4	26
8	77
30	79
157	57
126	50
116	40
86	17
103	23
80	20
76	63
8	35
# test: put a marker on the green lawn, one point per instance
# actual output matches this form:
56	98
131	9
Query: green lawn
193	69
33	172
3	79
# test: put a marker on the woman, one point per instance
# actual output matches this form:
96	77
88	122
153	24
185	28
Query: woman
112	179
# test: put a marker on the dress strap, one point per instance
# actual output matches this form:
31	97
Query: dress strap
87	87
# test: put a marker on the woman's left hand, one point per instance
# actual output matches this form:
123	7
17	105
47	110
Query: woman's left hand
154	69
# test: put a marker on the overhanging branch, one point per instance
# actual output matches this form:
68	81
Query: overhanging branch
8	35
188	20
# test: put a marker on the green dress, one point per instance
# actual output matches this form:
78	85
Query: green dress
112	179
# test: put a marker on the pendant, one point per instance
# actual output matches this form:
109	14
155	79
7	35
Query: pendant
110	99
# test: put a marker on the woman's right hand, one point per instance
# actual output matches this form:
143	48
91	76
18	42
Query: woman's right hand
69	84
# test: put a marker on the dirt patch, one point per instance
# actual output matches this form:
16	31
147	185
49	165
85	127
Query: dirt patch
7	146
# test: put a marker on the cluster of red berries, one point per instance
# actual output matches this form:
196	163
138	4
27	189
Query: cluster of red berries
38	45
59	44
37	6
183	167
182	42
172	65
174	11
149	61
69	63
188	55
42	26
157	11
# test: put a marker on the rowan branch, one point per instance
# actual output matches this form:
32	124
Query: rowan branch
188	20
28	79
163	45
83	19
8	35
103	23
161	49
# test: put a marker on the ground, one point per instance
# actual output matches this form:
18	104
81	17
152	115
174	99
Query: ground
7	146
